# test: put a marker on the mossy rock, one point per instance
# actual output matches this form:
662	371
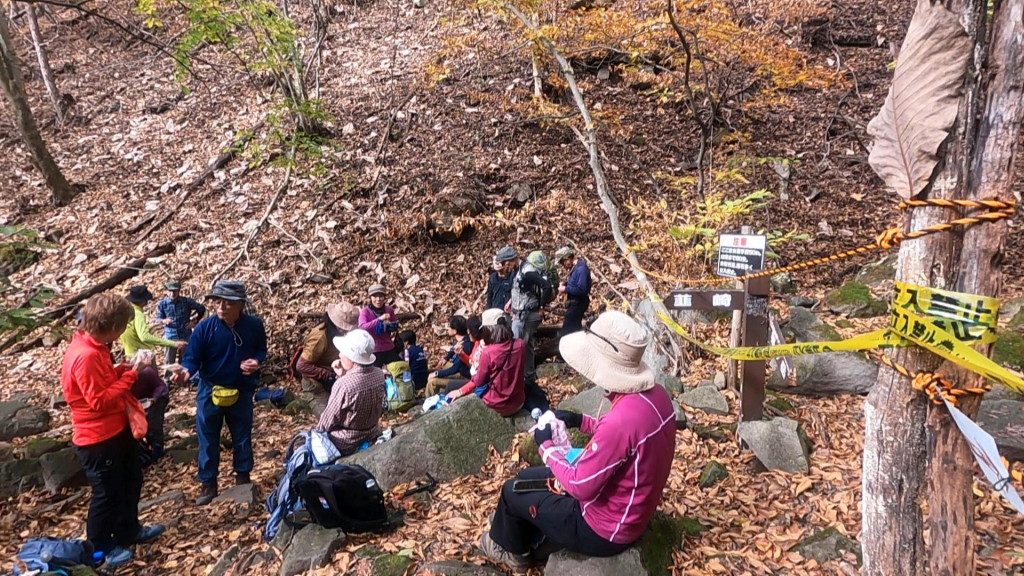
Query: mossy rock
1009	349
390	565
15	257
40	445
854	299
180	421
878	272
665	534
845	324
778	402
1017	321
369	552
717	433
264	405
713	473
827	545
185	443
579	383
670	383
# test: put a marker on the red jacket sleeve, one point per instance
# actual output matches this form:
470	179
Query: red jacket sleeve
585	480
313	371
99	393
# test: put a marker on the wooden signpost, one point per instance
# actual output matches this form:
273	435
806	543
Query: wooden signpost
739	254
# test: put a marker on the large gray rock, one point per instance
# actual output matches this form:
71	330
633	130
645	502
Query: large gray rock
826	545
650	556
877	273
6	451
776	444
447	443
311	547
18	419
645	315
225	562
588	402
62	469
708	399
18	476
824	373
1004	420
457	568
670	383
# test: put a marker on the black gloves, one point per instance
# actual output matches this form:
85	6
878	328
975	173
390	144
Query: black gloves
571	419
542	435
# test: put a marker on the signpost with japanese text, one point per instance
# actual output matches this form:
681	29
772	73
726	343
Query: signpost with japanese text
740	254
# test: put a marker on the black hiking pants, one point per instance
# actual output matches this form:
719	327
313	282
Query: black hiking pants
115	475
524	520
575	310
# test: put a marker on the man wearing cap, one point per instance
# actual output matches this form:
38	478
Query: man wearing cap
225	353
318	353
179	316
499	284
531	291
600	503
353	413
379	320
576	289
137	335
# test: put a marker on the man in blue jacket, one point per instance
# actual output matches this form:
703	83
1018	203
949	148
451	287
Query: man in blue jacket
225	353
576	289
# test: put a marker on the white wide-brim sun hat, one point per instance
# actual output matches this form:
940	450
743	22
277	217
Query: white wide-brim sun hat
357	346
610	353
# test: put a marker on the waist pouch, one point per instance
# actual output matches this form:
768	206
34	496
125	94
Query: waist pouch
224	397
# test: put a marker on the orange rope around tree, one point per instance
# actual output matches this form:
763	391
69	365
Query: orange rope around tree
890	238
931	383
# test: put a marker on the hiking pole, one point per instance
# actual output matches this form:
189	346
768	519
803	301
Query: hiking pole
421	486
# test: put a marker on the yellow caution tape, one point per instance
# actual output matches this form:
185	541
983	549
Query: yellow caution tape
944	322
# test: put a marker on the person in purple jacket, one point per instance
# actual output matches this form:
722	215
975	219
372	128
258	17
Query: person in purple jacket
380	321
601	503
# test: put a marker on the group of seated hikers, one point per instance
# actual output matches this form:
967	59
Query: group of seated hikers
595	500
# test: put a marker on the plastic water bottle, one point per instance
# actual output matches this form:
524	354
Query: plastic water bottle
536	413
406	377
97	558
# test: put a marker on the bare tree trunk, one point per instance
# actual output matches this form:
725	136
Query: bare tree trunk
900	453
44	63
14	89
951	500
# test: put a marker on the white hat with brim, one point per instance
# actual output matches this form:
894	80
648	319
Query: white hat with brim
610	353
357	346
491	316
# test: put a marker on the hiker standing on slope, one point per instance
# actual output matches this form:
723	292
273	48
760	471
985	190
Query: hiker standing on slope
225	351
137	336
576	289
531	291
380	321
95	391
179	315
499	284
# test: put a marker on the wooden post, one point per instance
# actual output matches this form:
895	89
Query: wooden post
735	332
755	333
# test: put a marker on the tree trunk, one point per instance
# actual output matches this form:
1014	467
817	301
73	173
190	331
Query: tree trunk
14	89
951	501
44	63
976	164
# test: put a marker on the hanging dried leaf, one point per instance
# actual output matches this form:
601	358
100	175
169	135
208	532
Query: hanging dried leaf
922	102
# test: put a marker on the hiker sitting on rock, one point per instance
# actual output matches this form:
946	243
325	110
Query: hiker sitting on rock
151	390
353	413
379	320
319	353
225	351
621	473
499	376
95	391
137	335
452	367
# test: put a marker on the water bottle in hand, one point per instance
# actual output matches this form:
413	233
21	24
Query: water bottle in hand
536	413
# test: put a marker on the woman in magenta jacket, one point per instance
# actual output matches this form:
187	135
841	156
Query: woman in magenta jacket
380	321
600	504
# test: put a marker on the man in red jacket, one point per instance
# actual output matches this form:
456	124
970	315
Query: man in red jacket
95	391
599	504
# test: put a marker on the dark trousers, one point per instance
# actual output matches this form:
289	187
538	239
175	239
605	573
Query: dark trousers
210	418
525	519
385	358
575	310
454	385
155	418
115	475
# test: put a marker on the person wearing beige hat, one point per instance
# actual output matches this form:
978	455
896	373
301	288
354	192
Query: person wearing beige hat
379	320
601	503
318	353
353	413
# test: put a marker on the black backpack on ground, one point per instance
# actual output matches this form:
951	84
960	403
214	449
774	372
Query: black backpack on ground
345	496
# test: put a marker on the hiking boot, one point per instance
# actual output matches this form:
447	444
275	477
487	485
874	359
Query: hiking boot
118	557
242	478
147	533
206	494
516	562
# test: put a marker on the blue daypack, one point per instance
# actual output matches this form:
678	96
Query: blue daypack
284	502
275	395
48	554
